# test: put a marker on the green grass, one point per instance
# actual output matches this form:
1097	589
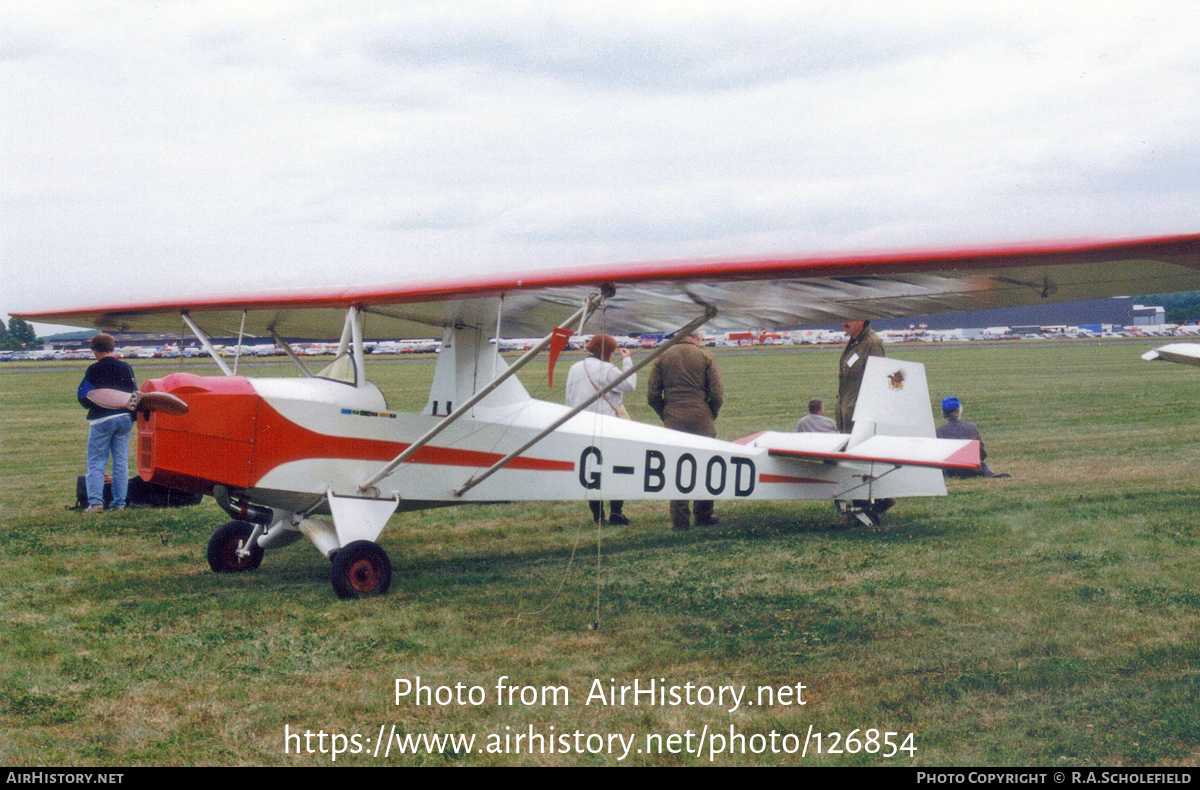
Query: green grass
1047	619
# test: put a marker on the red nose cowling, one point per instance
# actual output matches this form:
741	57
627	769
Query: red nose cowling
212	444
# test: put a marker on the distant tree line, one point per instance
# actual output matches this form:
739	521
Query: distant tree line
1181	307
17	335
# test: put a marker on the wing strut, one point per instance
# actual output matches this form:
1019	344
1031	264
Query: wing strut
680	334
206	341
589	307
237	355
287	349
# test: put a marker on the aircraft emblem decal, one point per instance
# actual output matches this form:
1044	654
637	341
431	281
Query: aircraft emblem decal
896	380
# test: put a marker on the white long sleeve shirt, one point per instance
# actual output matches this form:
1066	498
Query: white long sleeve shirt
590	375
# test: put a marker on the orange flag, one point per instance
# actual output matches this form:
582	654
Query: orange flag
558	341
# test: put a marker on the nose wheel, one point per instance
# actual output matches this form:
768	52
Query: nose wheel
228	552
361	570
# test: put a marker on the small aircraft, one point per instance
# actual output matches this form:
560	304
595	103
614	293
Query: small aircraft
322	457
1183	353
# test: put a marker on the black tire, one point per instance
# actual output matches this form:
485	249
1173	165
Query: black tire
361	570
223	547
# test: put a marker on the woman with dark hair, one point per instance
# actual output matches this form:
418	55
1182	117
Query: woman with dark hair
587	377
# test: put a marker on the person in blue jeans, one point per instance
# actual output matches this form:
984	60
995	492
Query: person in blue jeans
108	429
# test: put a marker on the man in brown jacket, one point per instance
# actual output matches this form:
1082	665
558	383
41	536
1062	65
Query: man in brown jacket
686	391
863	343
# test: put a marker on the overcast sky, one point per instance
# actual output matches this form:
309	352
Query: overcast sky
167	148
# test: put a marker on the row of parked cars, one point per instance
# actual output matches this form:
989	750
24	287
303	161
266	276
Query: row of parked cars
432	346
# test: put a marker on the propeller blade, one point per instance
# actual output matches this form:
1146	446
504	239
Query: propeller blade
162	401
148	401
111	399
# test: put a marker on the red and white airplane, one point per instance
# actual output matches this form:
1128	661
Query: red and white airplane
322	456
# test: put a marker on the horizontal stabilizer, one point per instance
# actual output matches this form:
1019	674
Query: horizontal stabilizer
898	450
1183	353
801	442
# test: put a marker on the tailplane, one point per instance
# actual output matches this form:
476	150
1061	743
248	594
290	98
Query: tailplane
894	402
893	448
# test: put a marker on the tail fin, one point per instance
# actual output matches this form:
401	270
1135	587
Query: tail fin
893	401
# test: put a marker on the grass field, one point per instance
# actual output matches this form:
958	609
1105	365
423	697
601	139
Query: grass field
1048	619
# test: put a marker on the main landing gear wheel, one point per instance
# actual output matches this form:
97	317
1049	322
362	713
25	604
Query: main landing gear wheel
223	549
360	570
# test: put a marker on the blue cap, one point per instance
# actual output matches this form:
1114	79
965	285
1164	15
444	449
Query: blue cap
950	404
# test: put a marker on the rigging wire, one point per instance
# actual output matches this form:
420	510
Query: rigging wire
597	439
562	582
600	521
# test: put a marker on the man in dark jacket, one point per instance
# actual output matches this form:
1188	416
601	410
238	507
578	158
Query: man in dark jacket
863	343
686	391
108	429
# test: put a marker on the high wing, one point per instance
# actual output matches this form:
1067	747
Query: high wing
762	292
